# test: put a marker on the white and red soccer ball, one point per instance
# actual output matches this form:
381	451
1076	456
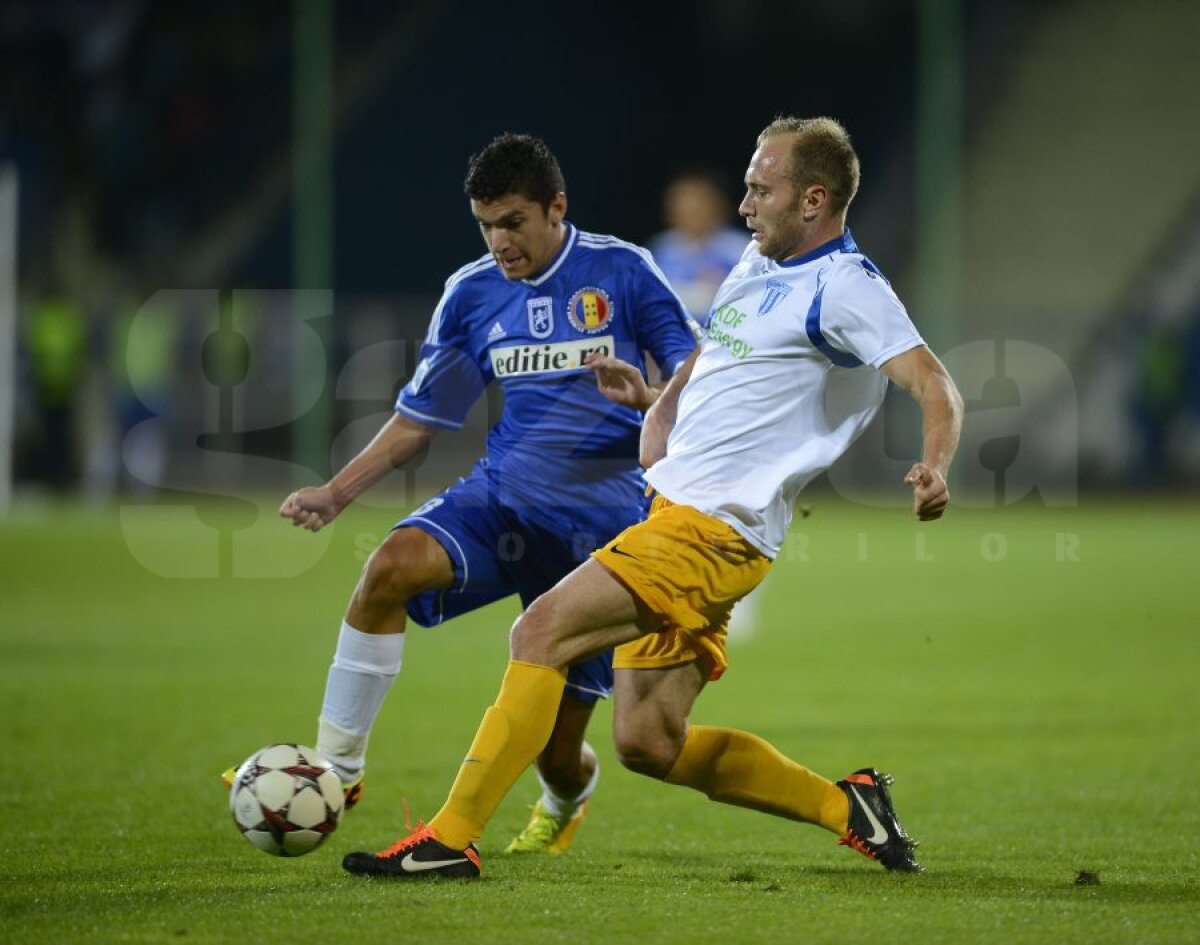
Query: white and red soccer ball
286	799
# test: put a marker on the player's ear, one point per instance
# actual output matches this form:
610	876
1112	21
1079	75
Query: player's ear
815	199
557	211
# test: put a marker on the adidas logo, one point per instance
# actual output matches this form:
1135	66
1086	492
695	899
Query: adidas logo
496	332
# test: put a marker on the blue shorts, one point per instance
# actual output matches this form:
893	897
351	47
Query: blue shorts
498	550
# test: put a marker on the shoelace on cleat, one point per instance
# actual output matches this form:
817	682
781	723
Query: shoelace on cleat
542	830
855	842
418	834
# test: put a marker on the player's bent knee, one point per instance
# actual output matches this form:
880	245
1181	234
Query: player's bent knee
535	635
653	756
404	565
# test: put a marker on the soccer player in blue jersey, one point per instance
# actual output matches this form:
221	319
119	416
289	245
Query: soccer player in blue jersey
560	319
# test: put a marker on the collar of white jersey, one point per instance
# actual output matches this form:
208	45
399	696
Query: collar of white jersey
839	244
568	243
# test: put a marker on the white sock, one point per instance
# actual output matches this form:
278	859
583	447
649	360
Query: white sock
564	807
364	667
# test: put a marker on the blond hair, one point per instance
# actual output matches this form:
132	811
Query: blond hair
821	154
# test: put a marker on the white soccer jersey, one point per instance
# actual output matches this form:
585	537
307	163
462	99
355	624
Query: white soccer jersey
787	378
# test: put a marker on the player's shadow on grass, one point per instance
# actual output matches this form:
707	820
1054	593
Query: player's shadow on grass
771	872
968	884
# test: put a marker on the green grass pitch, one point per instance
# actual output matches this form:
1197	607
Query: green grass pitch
1031	677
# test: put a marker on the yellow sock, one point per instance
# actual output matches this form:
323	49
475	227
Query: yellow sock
512	734
739	768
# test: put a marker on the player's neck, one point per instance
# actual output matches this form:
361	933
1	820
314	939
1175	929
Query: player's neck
819	236
554	247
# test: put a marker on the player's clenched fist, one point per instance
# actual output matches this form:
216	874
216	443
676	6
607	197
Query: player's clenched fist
930	494
312	507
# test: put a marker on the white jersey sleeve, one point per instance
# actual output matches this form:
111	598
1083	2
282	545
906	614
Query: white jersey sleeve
857	313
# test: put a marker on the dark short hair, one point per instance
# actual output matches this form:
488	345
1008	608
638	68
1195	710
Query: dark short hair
821	154
514	164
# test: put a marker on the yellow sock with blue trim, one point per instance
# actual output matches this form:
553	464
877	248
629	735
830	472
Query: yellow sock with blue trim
513	733
742	769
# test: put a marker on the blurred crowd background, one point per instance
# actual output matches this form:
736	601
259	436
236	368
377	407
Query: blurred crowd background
232	220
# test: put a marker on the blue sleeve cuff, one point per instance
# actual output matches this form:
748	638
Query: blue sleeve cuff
426	418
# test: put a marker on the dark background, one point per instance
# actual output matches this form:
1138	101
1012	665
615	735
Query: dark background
1029	176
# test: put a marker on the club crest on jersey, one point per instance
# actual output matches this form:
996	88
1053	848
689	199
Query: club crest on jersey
777	291
541	316
590	310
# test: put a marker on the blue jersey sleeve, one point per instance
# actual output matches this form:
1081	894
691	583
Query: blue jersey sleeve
448	379
665	328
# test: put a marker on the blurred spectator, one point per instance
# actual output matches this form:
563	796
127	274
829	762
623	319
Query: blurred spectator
1187	450
144	354
1166	402
700	246
1159	396
55	339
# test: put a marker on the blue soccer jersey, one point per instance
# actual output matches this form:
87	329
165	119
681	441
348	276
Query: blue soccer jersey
559	440
561	476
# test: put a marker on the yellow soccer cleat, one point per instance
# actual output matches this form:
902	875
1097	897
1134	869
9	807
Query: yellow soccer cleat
546	833
353	790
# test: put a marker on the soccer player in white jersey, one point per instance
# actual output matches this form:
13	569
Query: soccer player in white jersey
804	338
561	475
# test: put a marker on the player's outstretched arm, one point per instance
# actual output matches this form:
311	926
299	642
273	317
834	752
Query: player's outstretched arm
925	377
660	418
398	441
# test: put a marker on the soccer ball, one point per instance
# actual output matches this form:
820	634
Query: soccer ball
286	799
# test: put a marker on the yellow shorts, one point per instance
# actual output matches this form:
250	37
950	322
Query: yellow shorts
688	569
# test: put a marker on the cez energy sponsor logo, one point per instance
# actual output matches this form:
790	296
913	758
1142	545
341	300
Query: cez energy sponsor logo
545	359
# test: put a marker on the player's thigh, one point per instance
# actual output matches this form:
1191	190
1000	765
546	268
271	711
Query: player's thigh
407	562
650	713
551	561
457	536
587	612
